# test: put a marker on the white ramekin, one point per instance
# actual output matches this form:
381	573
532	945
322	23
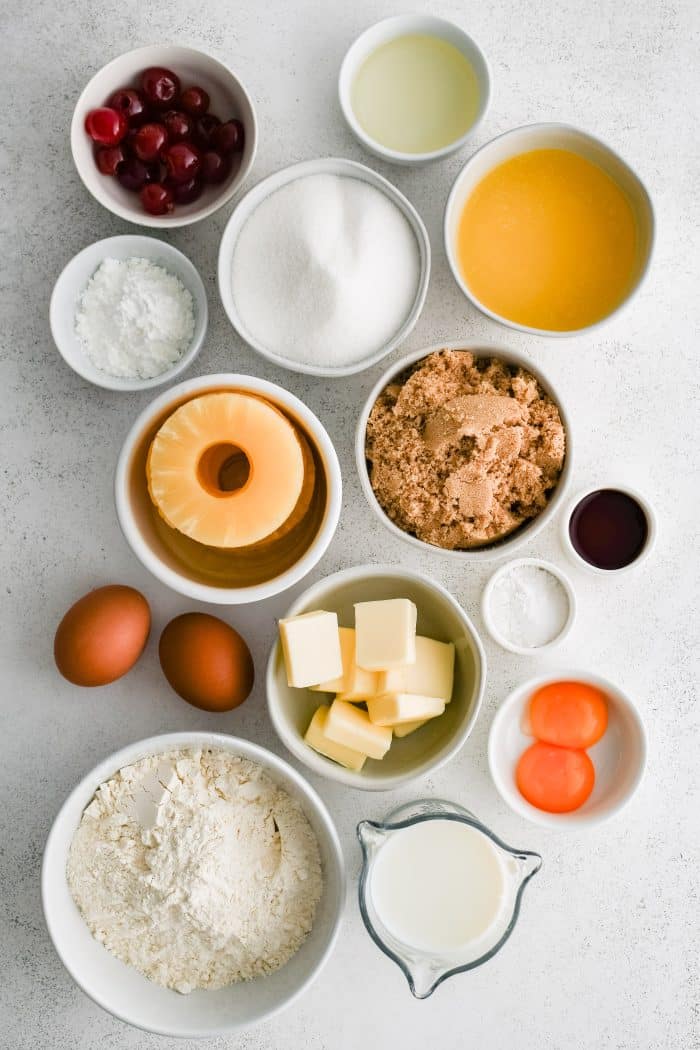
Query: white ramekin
243	210
381	33
228	99
147	552
649	514
522	535
548	136
498	636
126	993
439	616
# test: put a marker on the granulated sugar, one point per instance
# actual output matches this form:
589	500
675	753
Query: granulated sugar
325	270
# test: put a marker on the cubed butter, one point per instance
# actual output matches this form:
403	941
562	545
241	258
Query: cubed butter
347	656
385	634
316	738
394	708
406	728
311	648
431	675
351	727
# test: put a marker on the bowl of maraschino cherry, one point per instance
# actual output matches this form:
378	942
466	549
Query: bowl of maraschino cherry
163	136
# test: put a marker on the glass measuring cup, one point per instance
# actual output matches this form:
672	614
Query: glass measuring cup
425	970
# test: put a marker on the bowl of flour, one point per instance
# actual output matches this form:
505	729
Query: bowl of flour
324	267
129	313
193	884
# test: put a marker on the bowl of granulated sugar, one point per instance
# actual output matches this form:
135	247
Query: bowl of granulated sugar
129	313
324	267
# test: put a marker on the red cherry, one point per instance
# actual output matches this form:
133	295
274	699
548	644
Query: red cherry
106	126
149	141
157	199
228	138
185	192
178	125
182	160
195	101
160	86
108	158
203	128
215	168
131	103
133	174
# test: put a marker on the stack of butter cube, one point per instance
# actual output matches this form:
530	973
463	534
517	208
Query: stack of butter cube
388	681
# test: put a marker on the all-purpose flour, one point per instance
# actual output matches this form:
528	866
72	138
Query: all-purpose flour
196	869
134	318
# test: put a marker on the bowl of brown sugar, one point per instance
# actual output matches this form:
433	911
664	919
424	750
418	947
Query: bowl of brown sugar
464	449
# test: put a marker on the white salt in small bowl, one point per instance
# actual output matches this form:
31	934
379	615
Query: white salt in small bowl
497	630
72	282
245	208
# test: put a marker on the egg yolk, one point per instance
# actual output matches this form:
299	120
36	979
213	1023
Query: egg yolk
555	779
569	714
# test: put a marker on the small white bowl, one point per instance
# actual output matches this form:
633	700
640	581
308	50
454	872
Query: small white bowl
498	636
245	208
75	276
143	538
522	535
440	617
548	136
619	756
122	990
228	99
649	514
389	29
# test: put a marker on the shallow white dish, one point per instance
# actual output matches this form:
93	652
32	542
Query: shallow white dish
649	514
619	756
381	33
548	136
228	99
75	276
440	617
125	992
244	209
143	539
522	535
498	636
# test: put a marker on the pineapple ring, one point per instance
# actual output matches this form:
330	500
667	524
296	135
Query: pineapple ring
226	469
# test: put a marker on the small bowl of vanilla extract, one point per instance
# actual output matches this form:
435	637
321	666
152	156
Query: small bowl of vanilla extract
609	529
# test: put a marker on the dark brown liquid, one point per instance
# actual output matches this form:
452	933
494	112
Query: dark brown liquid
240	566
608	529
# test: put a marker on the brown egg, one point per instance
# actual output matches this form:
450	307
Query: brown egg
102	636
206	662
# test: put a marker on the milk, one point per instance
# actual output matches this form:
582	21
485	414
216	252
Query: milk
439	885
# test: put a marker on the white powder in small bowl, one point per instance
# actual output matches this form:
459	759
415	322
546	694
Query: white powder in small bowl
134	319
529	606
325	271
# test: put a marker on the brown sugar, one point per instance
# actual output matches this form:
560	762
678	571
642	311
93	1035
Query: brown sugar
464	450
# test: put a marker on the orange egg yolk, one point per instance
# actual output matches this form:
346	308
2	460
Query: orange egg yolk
554	779
569	714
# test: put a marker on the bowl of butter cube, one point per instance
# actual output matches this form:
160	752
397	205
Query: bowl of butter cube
376	677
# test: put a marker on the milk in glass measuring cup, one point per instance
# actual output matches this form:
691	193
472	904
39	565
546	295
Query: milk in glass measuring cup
439	892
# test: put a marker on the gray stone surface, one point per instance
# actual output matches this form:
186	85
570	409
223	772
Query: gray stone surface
605	955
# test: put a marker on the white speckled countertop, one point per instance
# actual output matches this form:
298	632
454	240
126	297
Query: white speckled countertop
605	955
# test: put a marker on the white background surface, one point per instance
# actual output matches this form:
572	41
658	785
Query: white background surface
605	955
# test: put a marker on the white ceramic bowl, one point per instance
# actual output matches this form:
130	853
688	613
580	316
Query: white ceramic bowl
548	136
244	209
522	535
383	32
491	625
143	538
440	617
619	756
125	992
649	514
228	99
75	276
